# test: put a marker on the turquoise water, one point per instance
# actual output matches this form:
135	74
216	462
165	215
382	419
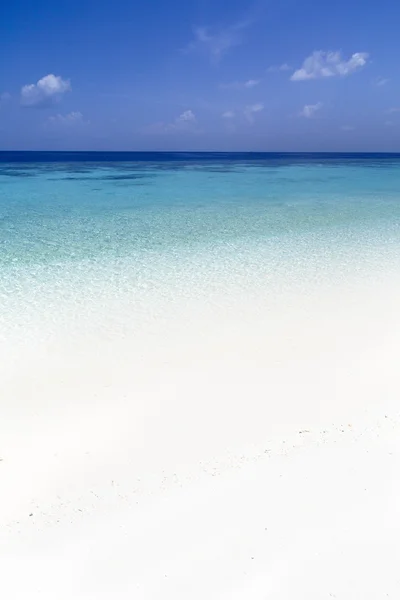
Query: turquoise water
76	232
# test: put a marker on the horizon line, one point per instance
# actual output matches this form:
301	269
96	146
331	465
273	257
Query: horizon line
365	152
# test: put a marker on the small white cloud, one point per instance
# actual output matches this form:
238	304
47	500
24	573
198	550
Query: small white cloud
278	68
216	44
309	110
390	123
394	109
229	114
186	122
251	83
240	85
250	111
186	117
347	128
381	81
45	92
329	64
70	118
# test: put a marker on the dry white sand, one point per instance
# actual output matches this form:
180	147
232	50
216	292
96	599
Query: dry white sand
233	453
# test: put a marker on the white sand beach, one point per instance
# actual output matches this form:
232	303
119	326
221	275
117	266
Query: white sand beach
239	451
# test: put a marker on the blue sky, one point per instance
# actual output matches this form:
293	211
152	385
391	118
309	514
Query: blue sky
289	75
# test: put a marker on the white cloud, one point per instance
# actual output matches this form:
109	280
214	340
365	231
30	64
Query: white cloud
187	116
381	81
393	110
216	44
251	83
329	64
347	128
229	114
309	110
185	122
240	85
250	111
45	92
277	68
389	123
70	118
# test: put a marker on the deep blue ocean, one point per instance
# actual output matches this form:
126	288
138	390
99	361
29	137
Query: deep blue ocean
226	157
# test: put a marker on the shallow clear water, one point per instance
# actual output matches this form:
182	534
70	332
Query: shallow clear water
108	235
